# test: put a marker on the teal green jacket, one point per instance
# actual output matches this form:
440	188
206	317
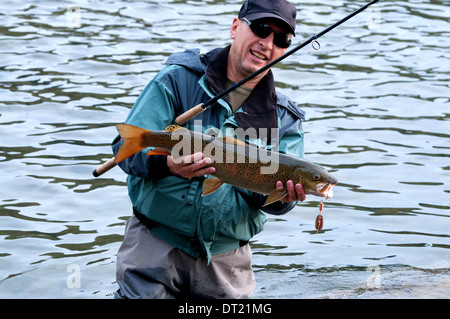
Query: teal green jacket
219	222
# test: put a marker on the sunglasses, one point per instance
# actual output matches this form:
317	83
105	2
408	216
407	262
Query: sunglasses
263	30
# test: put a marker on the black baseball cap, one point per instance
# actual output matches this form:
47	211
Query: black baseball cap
277	9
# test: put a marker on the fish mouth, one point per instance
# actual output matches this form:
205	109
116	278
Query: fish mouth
325	189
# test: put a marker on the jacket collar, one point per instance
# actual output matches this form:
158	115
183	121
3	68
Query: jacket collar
260	109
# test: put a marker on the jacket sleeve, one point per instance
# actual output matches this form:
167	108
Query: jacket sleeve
277	208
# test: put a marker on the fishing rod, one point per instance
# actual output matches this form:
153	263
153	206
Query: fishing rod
196	110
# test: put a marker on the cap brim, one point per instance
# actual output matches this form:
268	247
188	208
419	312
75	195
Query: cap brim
256	16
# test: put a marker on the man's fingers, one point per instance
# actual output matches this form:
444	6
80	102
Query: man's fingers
188	159
192	158
192	165
295	191
300	192
292	194
199	165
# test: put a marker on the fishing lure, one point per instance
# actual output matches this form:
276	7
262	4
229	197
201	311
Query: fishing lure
319	218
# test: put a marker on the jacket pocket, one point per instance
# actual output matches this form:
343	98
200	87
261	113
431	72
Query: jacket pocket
170	201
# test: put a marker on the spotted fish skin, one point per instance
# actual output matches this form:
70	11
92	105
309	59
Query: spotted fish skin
236	163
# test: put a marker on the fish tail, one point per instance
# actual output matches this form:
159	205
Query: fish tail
133	138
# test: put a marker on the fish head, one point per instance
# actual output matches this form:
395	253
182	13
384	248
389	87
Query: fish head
315	180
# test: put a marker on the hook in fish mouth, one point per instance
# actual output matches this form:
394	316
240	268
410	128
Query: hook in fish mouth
325	189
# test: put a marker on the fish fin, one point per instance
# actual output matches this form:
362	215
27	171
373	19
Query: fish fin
276	195
210	185
173	127
158	151
133	138
232	140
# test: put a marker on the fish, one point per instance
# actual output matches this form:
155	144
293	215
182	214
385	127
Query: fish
236	162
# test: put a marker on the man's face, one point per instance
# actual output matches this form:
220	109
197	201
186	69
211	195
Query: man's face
249	52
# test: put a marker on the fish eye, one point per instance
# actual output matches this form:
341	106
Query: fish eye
316	177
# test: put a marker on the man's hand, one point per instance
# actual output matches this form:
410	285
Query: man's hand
190	166
295	192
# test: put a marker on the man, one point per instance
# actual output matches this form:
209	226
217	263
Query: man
179	244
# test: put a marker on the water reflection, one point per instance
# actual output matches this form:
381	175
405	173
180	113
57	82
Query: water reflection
377	117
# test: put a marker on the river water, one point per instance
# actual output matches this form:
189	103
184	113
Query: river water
377	101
